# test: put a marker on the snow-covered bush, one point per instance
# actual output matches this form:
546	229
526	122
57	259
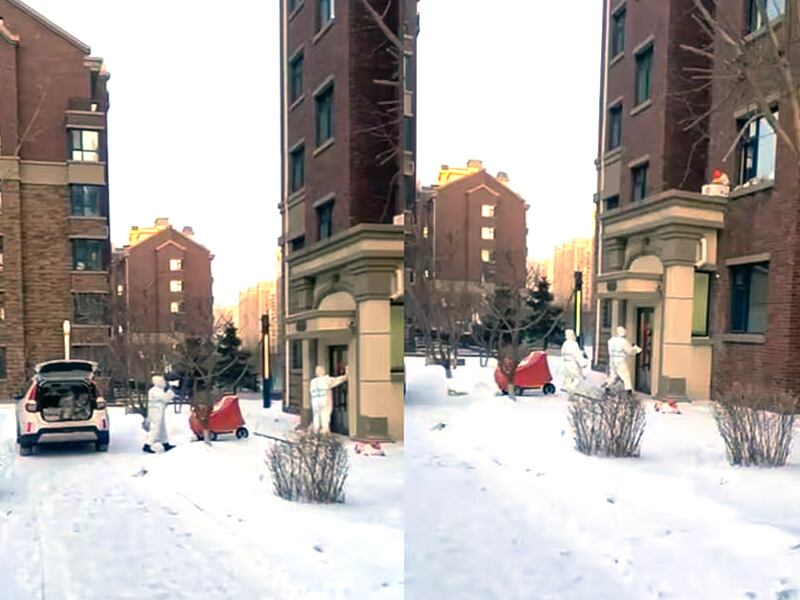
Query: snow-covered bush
312	468
608	425
756	427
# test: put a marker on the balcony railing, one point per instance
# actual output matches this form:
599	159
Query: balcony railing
84	104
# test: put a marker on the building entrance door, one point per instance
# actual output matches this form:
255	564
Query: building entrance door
644	360
336	368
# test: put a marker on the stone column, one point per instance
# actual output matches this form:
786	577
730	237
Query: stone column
309	363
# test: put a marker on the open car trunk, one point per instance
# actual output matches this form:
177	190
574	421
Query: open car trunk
66	400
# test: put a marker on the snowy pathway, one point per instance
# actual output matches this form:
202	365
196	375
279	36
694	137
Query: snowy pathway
501	505
197	522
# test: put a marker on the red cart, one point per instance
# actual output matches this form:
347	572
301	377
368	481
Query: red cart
225	417
532	373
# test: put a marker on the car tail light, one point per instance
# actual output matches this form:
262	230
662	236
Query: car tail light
28	427
104	424
101	404
32	393
30	406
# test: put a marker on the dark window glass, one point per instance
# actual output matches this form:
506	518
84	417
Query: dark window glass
618	33
296	78
324	103
605	314
87	201
325	221
410	191
3	373
325	13
614	127
611	202
406	72
84	145
297	355
91	309
89	255
701	303
774	8
408	134
639	182
644	65
757	151
297	169
749	297
298	243
292	5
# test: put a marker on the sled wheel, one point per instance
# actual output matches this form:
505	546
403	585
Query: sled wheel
242	433
504	391
101	447
549	389
199	435
213	435
518	391
25	450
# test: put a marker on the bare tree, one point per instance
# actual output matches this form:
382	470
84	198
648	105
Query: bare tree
29	132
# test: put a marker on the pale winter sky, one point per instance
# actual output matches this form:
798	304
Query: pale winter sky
194	125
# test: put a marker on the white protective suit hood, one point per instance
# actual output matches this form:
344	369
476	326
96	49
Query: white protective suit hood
570	335
621	332
158	381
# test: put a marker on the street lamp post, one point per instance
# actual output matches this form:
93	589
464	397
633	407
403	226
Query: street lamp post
266	380
66	327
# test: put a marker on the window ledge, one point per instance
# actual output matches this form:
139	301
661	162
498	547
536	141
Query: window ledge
325	145
744	338
641	107
702	340
297	102
296	197
85	218
295	12
754	188
613	155
325	28
617	59
100	272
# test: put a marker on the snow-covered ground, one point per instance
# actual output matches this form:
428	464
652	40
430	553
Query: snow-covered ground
500	505
198	522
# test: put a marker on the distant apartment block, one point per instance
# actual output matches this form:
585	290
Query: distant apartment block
54	197
569	258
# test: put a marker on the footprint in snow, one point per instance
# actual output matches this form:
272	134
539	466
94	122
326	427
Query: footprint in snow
789	594
611	500
318	548
438	427
141	473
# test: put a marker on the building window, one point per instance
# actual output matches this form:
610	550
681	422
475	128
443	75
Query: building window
701	303
410	189
757	150
298	243
296	78
618	33
611	203
176	308
487	256
91	309
749	296
774	8
292	5
3	372
487	233
408	134
1	254
325	221
644	66
407	72
487	210
176	285
614	127
2	307
84	145
639	176
175	264
89	255
605	314
425	232
87	200
120	290
297	164
324	102
325	13
297	355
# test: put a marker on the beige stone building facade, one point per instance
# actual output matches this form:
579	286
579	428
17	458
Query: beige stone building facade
569	258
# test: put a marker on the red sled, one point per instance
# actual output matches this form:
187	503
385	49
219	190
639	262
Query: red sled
226	417
533	373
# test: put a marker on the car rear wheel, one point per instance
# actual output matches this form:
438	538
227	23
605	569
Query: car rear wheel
25	450
213	435
101	447
518	391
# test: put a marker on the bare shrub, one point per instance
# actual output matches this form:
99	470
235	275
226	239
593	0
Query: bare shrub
313	468
609	425
756	427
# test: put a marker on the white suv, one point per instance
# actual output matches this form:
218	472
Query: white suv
62	404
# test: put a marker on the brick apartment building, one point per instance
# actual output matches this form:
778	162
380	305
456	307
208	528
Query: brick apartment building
348	170
54	234
705	283
163	285
472	228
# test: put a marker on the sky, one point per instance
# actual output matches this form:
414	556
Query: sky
194	124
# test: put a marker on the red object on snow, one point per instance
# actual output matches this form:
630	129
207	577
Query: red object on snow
532	373
225	417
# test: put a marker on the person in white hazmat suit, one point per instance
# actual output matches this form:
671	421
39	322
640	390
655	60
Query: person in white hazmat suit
574	362
619	350
157	399
322	398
